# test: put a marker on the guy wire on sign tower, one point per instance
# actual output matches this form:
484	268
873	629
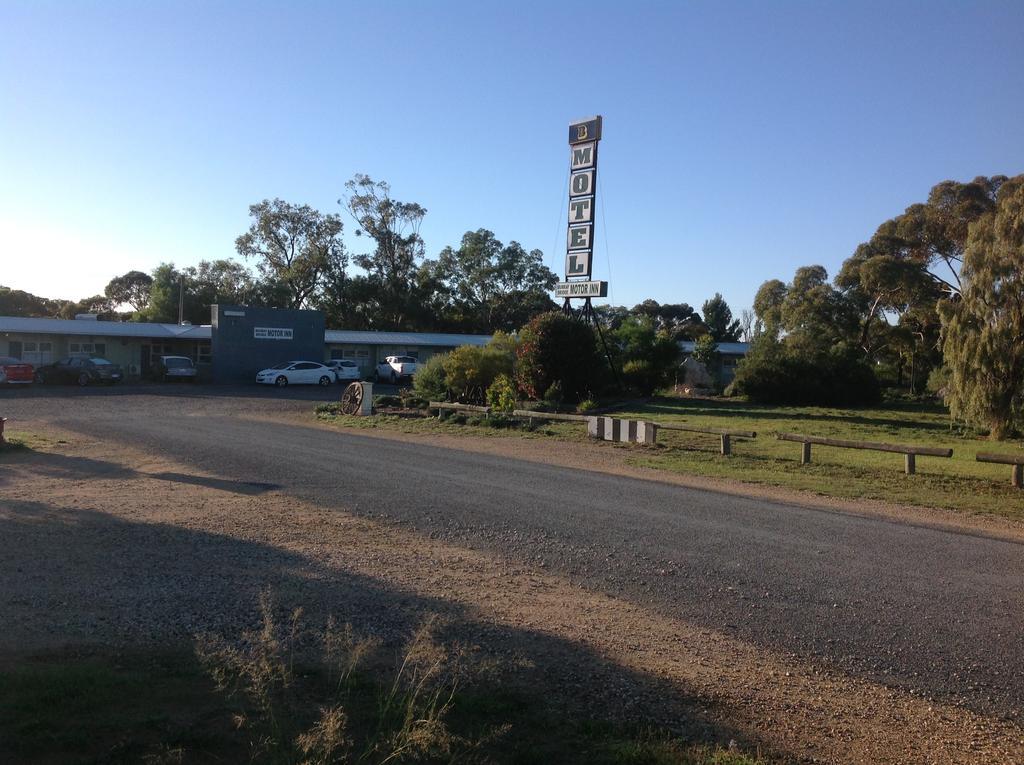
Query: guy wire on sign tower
584	137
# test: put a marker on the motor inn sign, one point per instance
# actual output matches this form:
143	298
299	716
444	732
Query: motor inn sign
583	139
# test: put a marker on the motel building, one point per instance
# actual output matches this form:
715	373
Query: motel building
238	342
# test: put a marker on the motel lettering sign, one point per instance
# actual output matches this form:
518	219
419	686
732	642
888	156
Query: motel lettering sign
579	244
581	289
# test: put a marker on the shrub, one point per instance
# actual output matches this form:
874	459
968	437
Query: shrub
938	381
557	348
705	351
587	405
471	367
385	401
649	358
429	382
774	373
553	396
501	395
470	370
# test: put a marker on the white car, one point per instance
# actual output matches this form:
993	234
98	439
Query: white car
344	369
296	373
393	368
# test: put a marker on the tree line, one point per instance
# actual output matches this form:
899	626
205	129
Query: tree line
935	298
299	260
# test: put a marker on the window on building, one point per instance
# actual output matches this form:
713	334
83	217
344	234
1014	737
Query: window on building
37	352
81	349
204	355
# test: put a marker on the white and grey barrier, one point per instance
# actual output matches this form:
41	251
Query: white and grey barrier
625	431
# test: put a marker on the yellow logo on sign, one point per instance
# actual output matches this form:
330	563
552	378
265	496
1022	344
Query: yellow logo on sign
581	132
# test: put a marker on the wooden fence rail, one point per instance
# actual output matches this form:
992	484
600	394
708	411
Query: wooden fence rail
725	436
909	451
1016	463
441	406
531	414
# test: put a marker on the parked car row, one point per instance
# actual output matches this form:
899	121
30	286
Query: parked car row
15	371
84	371
94	369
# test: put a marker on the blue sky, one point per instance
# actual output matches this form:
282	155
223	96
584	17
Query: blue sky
742	140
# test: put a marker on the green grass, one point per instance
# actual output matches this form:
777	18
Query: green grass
960	483
162	707
453	425
21	441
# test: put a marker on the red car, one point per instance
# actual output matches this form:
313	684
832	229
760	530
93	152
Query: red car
14	370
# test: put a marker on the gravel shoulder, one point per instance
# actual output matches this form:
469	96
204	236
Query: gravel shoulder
110	546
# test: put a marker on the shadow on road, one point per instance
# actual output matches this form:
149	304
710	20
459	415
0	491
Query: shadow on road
109	580
65	467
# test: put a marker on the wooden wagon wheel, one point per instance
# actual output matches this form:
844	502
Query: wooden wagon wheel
352	399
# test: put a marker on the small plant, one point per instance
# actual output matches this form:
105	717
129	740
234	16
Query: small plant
409	721
587	405
553	395
386	401
501	396
430	382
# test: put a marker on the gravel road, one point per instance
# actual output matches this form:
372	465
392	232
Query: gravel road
936	612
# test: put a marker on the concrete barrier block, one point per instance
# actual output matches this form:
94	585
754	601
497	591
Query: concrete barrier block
595	428
646	433
612	428
627	431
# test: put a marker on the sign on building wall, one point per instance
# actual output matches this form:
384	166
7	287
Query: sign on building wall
272	333
579	246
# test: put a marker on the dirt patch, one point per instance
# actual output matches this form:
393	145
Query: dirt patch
109	546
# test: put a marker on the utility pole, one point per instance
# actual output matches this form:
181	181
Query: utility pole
181	299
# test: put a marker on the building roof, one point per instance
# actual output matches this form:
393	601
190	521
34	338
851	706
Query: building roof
103	328
190	332
727	349
360	337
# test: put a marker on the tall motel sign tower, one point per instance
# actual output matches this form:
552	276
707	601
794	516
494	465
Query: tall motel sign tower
584	136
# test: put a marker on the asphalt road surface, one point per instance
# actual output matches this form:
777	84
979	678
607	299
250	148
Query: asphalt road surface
934	611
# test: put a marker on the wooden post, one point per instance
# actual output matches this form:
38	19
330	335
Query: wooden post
1018	476
2	421
726	445
805	453
909	463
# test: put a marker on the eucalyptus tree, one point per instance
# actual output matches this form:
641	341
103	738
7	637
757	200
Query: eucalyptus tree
295	246
983	326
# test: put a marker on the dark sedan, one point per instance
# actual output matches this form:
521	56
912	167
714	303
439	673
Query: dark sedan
80	370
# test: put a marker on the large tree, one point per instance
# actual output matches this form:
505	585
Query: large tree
914	259
486	286
388	290
718	319
208	282
679	320
21	303
983	326
295	246
130	289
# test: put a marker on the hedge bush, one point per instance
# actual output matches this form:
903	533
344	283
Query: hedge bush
555	348
773	373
